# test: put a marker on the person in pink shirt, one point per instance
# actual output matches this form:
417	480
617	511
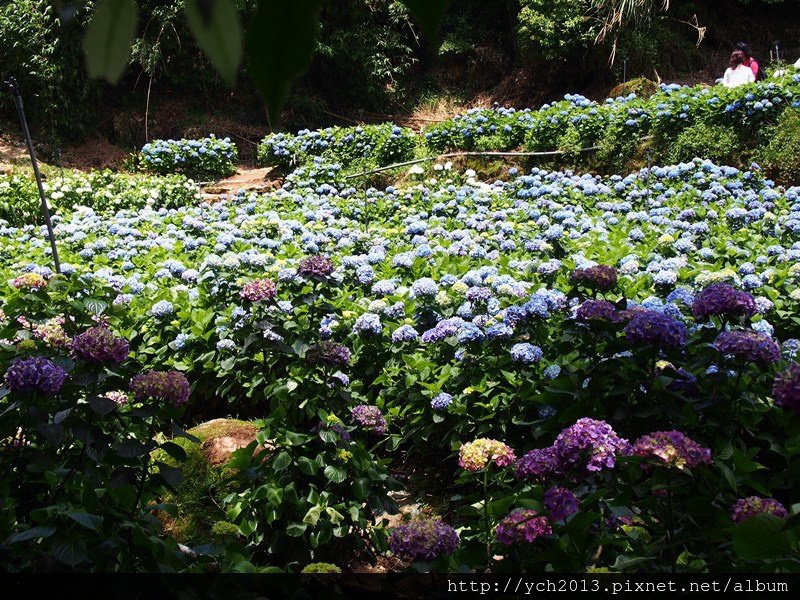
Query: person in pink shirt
749	61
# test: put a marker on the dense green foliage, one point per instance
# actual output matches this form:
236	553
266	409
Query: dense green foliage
46	57
715	142
781	152
552	30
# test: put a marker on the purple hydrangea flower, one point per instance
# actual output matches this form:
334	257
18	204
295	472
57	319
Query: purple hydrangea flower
259	290
425	539
443	329
787	388
749	346
656	329
536	463
723	299
596	310
330	354
35	373
171	386
317	267
744	508
479	295
560	503
672	448
370	418
100	345
600	277
522	525
590	444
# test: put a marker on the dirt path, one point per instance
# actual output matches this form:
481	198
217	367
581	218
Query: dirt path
245	178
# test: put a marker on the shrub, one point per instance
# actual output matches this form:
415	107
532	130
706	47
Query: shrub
19	200
780	153
206	159
365	145
554	29
103	191
78	479
714	142
45	54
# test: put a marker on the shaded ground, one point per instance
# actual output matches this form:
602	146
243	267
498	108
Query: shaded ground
95	153
13	153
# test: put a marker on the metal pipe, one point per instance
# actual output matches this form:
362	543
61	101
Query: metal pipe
12	84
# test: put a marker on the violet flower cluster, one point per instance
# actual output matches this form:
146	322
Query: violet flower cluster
748	346
522	525
786	388
330	354
596	310
317	267
536	463
100	345
656	329
425	539
35	374
744	508
170	386
599	277
370	418
673	449
560	503
259	290
589	444
722	299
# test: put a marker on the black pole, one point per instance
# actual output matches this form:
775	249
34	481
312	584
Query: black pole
12	83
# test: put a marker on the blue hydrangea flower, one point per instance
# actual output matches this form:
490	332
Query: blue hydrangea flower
441	401
526	354
163	308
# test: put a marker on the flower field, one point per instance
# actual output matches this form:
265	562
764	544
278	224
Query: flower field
562	371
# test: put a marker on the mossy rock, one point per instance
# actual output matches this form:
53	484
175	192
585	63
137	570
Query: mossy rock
222	437
641	86
199	518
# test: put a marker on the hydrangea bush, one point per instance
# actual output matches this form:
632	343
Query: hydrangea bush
206	159
102	191
367	145
79	485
